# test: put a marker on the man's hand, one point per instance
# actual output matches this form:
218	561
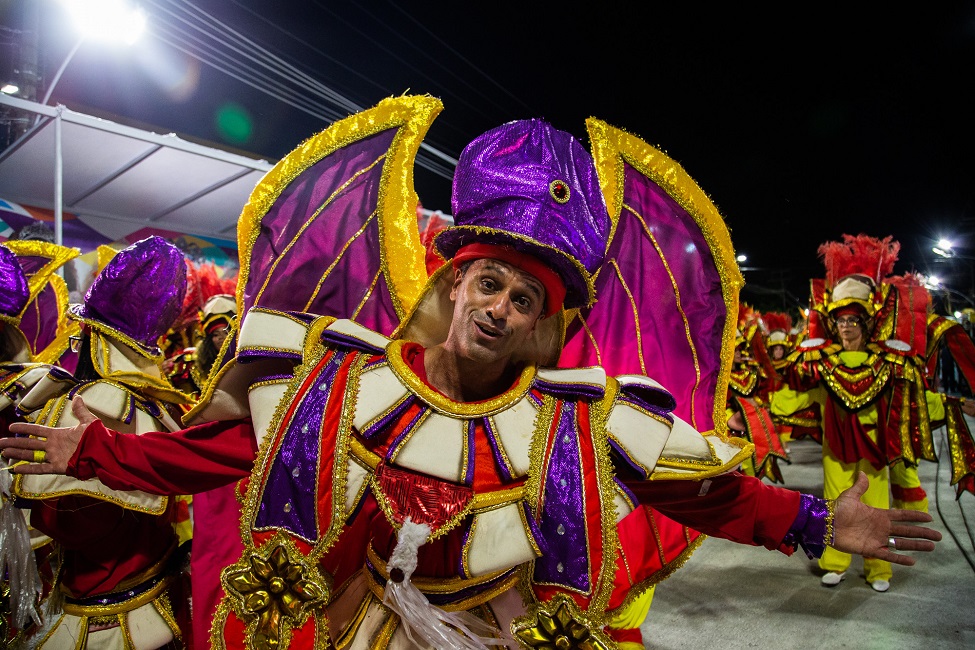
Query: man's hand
968	407
58	444
861	529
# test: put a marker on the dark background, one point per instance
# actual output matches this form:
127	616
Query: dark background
801	123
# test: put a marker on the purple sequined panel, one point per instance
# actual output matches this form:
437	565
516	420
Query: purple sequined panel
677	339
625	457
342	190
13	284
570	391
563	521
394	414
40	320
661	407
289	499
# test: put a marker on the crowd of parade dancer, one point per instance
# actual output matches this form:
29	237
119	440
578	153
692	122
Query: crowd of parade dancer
505	431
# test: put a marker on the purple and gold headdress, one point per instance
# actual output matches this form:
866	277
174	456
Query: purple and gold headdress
38	314
533	188
137	296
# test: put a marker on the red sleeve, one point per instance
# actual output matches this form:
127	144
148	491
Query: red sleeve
733	506
193	460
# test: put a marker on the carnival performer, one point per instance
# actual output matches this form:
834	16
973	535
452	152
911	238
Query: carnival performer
781	340
752	376
946	334
34	334
217	319
447	487
118	558
865	377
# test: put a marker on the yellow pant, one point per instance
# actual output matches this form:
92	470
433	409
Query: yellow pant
838	476
906	479
632	617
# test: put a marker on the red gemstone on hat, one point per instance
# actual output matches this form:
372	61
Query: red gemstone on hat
559	191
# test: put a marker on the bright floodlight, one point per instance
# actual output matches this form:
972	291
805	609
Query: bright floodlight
945	244
932	281
742	258
10	89
107	20
943	252
957	314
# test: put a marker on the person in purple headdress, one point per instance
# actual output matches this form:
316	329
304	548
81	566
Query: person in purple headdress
118	549
33	335
447	487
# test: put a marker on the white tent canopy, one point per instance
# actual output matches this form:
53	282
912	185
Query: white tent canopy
119	179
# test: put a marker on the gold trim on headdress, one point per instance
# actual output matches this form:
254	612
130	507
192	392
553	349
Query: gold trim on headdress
58	256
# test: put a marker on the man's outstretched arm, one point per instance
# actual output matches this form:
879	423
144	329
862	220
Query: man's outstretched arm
746	510
184	462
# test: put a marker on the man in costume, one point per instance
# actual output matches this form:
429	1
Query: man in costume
866	378
118	555
447	486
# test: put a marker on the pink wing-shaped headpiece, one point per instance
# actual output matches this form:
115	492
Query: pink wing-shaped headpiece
667	292
332	228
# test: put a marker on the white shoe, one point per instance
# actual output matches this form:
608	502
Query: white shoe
832	578
880	585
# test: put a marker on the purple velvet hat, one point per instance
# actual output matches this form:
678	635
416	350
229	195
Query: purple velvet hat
534	188
138	295
14	292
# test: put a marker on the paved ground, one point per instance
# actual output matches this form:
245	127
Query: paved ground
731	596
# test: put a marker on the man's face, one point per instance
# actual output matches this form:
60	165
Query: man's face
851	330
496	307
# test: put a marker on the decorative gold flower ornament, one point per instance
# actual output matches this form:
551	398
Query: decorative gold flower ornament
276	591
557	628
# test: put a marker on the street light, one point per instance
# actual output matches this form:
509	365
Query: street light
109	21
742	258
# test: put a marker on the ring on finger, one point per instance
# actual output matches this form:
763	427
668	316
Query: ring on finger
891	543
39	456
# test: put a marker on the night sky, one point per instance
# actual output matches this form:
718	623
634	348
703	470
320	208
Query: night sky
801	125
